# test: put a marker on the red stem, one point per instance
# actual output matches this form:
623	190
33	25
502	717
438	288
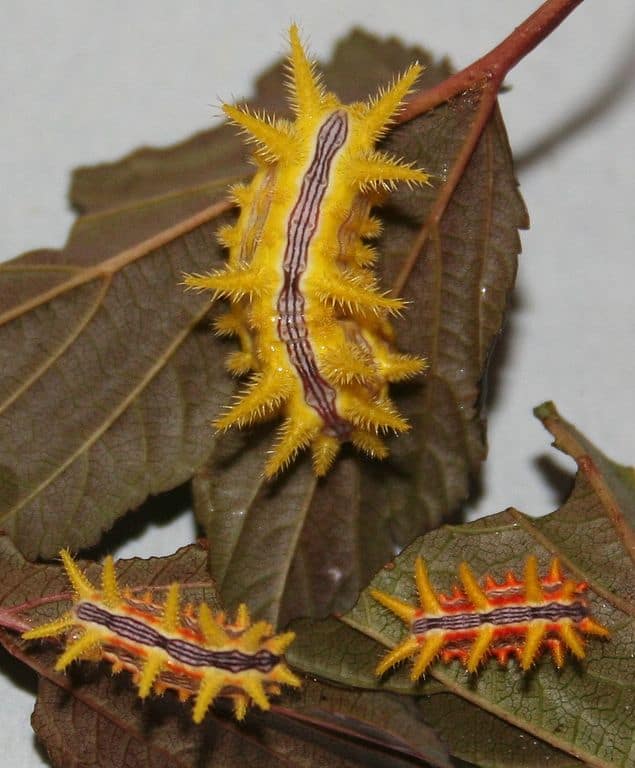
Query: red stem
8	620
494	66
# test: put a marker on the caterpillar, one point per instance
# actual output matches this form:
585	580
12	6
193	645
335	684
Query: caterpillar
191	651
514	618
305	304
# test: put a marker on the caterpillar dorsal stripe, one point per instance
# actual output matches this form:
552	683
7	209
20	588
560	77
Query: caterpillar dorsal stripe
520	618
312	322
191	651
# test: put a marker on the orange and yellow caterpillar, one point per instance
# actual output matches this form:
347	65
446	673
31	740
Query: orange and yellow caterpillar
190	651
305	305
520	618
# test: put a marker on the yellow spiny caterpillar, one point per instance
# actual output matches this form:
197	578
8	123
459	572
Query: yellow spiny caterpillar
190	651
305	304
514	618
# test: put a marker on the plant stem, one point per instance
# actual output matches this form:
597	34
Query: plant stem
492	68
8	620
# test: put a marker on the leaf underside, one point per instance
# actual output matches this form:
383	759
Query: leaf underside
582	715
110	374
89	712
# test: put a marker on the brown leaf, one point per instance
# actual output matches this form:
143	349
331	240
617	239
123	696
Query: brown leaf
102	722
110	374
301	547
87	717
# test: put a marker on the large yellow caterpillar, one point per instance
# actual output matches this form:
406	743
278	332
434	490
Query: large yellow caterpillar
305	305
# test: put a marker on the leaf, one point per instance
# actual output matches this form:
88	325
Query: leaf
90	717
110	375
302	547
386	731
586	710
99	723
606	483
473	734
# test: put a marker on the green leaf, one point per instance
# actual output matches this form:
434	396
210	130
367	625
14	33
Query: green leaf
603	483
587	709
484	739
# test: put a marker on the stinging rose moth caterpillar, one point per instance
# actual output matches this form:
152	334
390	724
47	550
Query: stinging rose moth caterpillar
189	650
313	324
520	618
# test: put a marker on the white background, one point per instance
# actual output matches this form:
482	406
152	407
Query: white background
85	81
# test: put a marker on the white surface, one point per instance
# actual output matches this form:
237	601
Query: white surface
84	82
